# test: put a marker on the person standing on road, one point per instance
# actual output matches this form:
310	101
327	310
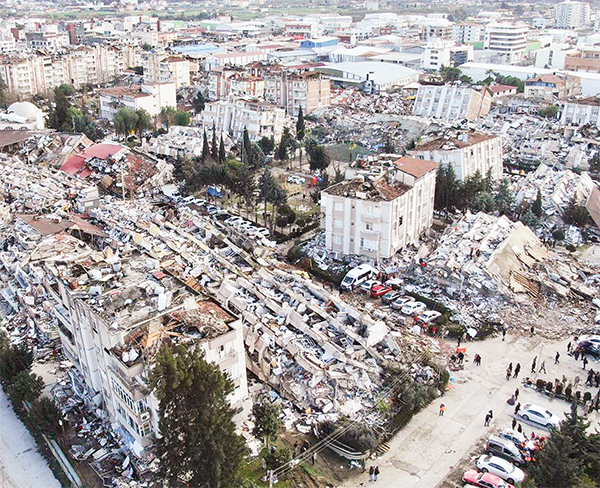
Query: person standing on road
508	373
556	358
516	393
503	333
517	369
517	408
461	357
569	347
533	365
376	473
520	429
442	409
371	473
514	424
543	367
487	420
585	361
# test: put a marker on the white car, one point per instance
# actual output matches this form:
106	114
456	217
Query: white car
234	220
367	285
517	438
400	302
413	308
261	231
539	415
501	468
296	180
429	316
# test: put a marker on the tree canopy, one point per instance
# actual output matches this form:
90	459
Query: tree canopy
198	443
267	421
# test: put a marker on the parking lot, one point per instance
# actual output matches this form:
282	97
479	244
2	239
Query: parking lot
426	451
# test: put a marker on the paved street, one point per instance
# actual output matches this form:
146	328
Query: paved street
21	466
423	453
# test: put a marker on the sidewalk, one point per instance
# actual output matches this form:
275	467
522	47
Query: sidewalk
21	466
423	453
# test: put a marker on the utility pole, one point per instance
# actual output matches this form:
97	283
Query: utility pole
270	478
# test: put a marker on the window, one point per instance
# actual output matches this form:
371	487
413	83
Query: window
369	226
337	222
337	240
339	206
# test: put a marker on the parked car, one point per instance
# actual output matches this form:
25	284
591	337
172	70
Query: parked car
233	220
296	180
501	468
413	308
539	415
429	316
517	438
263	232
380	290
400	302
388	298
357	276
212	210
368	285
590	348
485	480
395	283
504	448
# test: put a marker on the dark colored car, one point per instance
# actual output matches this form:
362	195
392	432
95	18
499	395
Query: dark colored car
589	348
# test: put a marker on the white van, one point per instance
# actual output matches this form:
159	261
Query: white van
356	276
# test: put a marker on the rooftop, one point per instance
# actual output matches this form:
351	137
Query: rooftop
447	143
415	167
379	190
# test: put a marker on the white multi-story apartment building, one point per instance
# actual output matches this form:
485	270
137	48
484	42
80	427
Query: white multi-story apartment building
159	68
112	335
238	58
291	91
35	74
507	40
50	42
261	119
8	44
452	102
468	32
152	97
467	153
445	53
378	218
571	15
581	112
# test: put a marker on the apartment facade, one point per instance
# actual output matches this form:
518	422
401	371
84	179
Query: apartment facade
445	53
51	42
114	352
581	112
571	15
586	58
164	69
452	102
291	91
260	119
468	32
33	74
467	153
152	97
552	87
506	39
378	218
237	58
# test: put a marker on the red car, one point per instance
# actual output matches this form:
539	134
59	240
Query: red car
485	480
379	290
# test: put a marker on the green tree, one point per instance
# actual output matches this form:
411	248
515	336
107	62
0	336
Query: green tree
125	121
66	89
198	443
576	214
319	159
3	95
267	144
14	360
198	102
450	74
548	112
167	116
267	422
282	153
182	118
537	207
205	148
446	188
46	416
146	47
26	386
300	126
214	147
503	198
59	111
594	162
143	122
222	154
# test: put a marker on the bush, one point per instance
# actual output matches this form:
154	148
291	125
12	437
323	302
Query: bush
558	235
540	384
360	437
277	458
571	248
